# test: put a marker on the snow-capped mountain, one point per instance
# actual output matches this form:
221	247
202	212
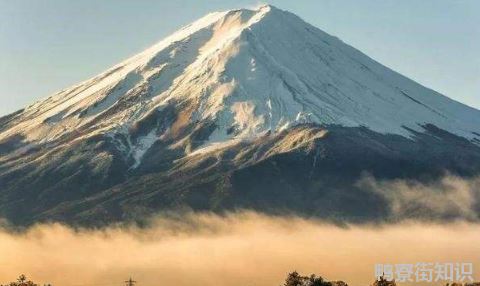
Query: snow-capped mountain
229	92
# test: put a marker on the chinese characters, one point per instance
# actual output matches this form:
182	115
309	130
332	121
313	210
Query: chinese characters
426	272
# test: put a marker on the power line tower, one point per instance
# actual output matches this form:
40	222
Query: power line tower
130	282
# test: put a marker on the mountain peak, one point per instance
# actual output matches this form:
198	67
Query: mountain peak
268	7
244	73
262	7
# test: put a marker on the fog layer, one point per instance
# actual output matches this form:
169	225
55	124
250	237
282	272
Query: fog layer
237	249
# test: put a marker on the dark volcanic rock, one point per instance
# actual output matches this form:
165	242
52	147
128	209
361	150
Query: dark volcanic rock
90	182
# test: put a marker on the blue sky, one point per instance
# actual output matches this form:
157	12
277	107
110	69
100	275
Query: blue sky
48	45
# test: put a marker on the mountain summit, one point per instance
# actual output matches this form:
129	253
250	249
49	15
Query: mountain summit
192	120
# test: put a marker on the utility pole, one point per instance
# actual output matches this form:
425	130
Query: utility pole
130	282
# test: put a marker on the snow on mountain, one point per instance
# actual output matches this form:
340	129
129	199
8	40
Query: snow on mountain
243	109
248	72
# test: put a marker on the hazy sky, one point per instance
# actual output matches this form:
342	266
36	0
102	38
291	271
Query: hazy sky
48	45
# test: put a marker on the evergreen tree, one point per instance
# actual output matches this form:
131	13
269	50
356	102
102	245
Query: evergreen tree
22	281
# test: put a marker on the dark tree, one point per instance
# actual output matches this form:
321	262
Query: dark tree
295	279
22	281
384	282
318	281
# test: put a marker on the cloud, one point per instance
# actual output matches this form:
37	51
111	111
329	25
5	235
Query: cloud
243	248
450	198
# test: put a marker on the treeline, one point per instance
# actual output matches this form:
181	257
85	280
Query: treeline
293	279
23	281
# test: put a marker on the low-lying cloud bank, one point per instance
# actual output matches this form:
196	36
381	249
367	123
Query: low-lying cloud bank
450	198
436	222
243	248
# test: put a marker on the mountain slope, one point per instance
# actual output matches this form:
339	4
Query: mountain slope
228	95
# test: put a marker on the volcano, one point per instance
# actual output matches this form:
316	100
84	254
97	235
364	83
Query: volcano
242	109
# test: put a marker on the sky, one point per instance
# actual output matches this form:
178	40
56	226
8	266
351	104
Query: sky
49	45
